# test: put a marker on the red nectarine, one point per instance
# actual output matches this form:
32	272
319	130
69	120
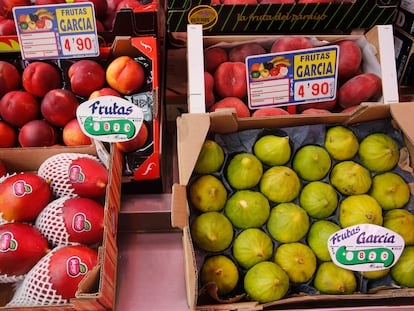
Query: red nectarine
240	52
230	80
86	76
10	78
104	92
290	43
208	89
72	134
19	107
236	103
269	111
37	133
59	106
39	77
213	57
125	75
8	135
350	59
360	88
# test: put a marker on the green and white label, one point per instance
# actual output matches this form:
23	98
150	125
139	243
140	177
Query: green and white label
365	247
110	118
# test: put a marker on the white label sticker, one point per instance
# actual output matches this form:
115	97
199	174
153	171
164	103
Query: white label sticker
365	247
110	118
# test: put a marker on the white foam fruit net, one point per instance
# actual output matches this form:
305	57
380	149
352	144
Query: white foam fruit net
56	170
36	288
50	222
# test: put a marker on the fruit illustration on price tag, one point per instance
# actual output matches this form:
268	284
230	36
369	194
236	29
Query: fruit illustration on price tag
293	77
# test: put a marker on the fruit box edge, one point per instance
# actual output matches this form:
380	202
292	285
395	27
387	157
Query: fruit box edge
192	130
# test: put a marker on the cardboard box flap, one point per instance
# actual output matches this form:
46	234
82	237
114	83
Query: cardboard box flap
179	207
191	132
403	114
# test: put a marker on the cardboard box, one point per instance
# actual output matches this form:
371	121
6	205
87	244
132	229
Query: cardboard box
404	16
265	19
404	49
144	163
193	129
97	290
376	44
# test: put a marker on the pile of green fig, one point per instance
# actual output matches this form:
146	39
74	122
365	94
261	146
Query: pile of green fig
263	203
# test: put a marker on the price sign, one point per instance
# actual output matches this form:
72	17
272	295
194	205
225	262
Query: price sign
57	31
293	78
365	247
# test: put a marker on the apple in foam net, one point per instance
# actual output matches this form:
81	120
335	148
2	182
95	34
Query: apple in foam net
8	135
37	133
39	77
72	134
59	106
23	196
19	107
86	76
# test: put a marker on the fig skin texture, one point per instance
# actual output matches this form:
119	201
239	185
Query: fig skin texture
334	280
252	246
265	282
208	194
222	271
210	159
403	271
244	171
212	231
379	152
